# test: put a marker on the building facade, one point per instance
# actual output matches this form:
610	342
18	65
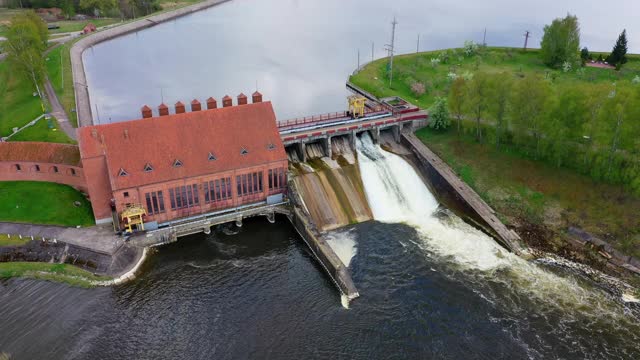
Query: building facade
185	163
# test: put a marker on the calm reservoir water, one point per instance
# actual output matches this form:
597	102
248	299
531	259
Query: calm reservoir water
431	285
300	52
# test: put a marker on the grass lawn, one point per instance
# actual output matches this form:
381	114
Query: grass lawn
13	240
78	25
18	106
43	203
520	188
64	273
417	67
65	92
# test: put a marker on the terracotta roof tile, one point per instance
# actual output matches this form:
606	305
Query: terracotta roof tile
40	152
189	137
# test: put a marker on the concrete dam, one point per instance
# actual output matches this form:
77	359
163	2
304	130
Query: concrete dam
373	176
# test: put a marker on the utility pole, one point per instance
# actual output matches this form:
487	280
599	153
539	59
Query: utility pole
418	46
484	39
61	71
526	39
97	113
358	68
391	48
372	47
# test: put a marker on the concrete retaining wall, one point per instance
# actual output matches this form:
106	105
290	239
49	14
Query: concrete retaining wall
83	105
334	267
445	181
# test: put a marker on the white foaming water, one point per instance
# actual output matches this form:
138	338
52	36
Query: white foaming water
343	244
397	194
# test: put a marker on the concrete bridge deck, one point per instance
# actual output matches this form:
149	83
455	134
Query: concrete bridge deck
323	131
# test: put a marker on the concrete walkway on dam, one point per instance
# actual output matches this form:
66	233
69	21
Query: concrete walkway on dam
83	104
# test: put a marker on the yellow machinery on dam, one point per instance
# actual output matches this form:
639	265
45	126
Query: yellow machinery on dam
357	106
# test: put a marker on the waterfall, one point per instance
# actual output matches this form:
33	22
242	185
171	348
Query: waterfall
397	194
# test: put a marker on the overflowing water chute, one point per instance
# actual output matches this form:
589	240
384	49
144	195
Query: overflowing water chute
397	194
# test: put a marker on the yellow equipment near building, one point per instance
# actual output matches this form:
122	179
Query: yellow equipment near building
356	106
132	216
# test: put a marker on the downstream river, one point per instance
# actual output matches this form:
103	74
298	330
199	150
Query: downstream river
300	52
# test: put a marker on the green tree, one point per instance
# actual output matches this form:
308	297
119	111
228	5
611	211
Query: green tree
499	92
43	30
101	5
439	114
618	55
561	42
595	98
584	54
563	127
478	99
618	127
457	99
528	106
24	47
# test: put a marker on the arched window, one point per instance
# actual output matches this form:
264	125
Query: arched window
36	168
55	169
18	167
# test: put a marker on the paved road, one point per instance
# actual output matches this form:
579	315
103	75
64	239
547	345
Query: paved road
96	238
58	111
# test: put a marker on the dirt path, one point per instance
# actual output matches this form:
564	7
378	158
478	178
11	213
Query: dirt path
58	111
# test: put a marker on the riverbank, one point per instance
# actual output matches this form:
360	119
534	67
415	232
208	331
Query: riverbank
81	89
541	202
62	273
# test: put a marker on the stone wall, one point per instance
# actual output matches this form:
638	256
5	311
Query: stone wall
31	171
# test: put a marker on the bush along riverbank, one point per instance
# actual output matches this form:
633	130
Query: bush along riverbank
569	162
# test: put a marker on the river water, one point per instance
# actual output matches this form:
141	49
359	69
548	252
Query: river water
431	285
300	52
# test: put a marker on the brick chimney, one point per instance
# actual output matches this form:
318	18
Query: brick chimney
163	110
256	97
211	103
180	107
146	112
227	101
195	105
242	99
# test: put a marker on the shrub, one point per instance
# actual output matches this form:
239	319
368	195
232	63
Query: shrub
439	114
418	89
470	48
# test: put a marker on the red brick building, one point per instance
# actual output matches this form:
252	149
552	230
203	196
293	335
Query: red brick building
89	28
187	163
40	161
